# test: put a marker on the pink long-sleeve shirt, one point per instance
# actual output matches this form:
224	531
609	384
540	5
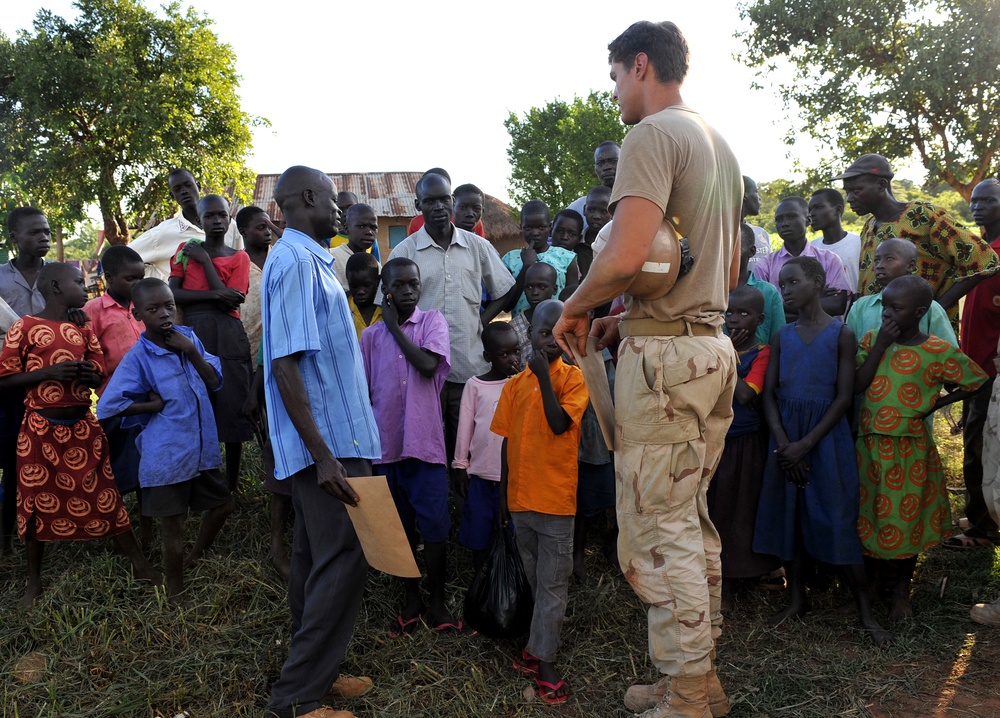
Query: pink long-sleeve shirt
479	402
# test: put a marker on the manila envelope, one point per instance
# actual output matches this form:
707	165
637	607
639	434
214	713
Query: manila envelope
379	529
595	376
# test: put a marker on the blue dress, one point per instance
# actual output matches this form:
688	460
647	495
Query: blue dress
827	508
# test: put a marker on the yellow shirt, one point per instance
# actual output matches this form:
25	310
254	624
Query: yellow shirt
359	321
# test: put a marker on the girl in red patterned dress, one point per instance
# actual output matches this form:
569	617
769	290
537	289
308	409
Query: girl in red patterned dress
65	488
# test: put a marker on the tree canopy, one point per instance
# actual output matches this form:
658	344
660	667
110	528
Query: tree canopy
896	77
551	149
98	110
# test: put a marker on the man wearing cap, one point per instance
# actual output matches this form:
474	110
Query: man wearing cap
949	256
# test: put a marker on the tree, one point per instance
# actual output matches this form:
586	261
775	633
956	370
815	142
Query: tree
897	77
97	111
551	149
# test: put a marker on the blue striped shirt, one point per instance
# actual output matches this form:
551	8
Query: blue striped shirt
305	310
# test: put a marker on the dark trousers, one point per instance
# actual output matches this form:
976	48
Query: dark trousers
451	402
974	413
324	593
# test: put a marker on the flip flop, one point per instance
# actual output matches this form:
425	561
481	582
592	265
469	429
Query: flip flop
965	541
547	692
526	663
449	627
401	627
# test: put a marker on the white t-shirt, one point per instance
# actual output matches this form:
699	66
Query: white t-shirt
849	251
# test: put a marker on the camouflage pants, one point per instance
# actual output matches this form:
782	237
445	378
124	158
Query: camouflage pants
673	406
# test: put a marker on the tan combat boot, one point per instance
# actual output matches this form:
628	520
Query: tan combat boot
640	698
670	697
717	700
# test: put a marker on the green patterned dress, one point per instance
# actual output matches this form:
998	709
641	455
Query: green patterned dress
904	503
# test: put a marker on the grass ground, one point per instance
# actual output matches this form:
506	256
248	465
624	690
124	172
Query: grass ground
111	647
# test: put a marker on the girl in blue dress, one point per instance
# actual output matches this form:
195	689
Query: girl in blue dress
809	500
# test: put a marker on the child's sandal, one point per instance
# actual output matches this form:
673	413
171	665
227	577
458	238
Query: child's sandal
547	692
526	663
401	627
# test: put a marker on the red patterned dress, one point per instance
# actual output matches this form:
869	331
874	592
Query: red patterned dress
904	502
65	487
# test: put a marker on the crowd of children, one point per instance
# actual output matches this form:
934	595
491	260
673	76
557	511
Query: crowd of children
802	478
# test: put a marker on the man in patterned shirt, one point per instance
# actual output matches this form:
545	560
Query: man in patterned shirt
949	256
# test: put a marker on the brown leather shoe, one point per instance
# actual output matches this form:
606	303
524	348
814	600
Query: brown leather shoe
327	712
351	686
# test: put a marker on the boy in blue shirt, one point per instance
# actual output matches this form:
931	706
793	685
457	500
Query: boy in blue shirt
164	382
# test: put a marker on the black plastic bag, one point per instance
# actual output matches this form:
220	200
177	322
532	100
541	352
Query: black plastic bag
498	603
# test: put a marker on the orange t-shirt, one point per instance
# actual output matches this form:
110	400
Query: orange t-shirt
541	466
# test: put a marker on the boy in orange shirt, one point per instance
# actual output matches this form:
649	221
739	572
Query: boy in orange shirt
539	415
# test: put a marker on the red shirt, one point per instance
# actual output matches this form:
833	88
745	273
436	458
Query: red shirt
981	321
233	271
115	328
418	222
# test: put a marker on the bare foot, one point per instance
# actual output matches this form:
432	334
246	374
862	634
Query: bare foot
150	575
792	610
901	608
880	637
281	564
31	594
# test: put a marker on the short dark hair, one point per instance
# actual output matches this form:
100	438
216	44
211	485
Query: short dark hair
437	171
569	214
663	44
534	206
541	267
422	182
493	331
49	272
917	288
747	235
116	258
467	188
246	216
607	143
355	209
797	201
810	267
831	196
19	213
145	286
180	170
397	263
752	296
601	190
361	262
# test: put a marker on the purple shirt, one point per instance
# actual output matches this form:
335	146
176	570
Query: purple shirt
407	405
836	277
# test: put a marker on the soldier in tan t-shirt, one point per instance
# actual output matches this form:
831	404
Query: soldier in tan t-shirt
676	371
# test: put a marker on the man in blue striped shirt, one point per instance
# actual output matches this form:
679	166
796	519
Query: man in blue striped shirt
322	430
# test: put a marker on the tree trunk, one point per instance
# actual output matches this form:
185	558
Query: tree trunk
60	250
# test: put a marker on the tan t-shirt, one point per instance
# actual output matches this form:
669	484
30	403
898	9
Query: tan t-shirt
675	160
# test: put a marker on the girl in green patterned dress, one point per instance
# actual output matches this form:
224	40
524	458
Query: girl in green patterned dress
904	503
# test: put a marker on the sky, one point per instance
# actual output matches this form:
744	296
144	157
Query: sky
403	86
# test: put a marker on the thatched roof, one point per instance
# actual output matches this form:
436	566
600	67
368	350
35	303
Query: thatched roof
501	229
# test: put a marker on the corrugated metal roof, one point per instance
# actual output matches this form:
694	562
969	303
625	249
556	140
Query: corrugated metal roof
389	193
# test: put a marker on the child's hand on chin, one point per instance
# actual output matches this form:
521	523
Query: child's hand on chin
538	363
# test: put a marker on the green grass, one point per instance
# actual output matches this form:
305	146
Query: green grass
113	647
